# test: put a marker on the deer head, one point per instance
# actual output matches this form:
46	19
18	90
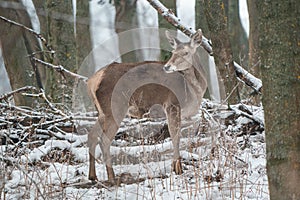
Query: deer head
182	53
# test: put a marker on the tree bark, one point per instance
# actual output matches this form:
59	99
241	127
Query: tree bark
217	23
126	20
237	35
253	41
162	23
201	23
17	44
280	60
253	37
57	25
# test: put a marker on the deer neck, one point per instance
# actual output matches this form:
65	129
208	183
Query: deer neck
193	80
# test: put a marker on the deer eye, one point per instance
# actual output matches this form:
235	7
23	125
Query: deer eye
185	53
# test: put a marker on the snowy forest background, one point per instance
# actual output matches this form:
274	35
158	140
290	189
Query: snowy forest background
243	143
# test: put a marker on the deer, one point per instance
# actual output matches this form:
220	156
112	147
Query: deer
121	89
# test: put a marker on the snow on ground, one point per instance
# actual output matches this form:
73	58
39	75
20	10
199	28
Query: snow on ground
223	158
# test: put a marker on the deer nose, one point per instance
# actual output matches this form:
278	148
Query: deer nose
167	68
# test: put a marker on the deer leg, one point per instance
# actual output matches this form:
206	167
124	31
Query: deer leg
92	142
105	148
110	130
174	124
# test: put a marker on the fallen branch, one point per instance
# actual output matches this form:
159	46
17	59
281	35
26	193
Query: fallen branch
43	96
241	73
240	111
22	89
25	112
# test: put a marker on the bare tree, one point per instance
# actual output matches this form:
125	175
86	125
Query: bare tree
280	60
17	44
254	58
69	37
237	35
126	19
162	23
217	24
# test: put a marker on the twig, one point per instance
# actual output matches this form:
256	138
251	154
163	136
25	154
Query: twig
43	96
22	89
13	162
26	88
29	112
26	130
240	159
39	36
60	69
51	105
50	133
229	95
241	73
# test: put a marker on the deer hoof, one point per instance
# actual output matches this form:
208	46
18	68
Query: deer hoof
177	167
93	178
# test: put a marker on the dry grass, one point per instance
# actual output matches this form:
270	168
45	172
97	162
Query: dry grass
220	162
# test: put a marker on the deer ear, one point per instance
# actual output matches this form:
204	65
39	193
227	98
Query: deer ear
196	39
172	40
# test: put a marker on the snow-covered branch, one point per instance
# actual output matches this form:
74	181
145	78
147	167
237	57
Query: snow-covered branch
22	89
172	19
241	73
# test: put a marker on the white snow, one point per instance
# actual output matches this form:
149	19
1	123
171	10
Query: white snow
240	164
243	169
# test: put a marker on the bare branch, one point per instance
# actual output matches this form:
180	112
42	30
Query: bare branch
248	78
22	89
175	21
241	73
60	69
43	96
29	30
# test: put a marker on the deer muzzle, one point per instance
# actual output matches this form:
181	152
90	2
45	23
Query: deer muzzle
169	68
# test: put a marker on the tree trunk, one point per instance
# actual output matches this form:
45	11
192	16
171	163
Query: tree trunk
238	40
217	24
126	20
254	58
17	44
238	37
165	54
253	37
201	23
57	25
280	60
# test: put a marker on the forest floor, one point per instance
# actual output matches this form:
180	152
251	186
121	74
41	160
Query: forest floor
44	155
